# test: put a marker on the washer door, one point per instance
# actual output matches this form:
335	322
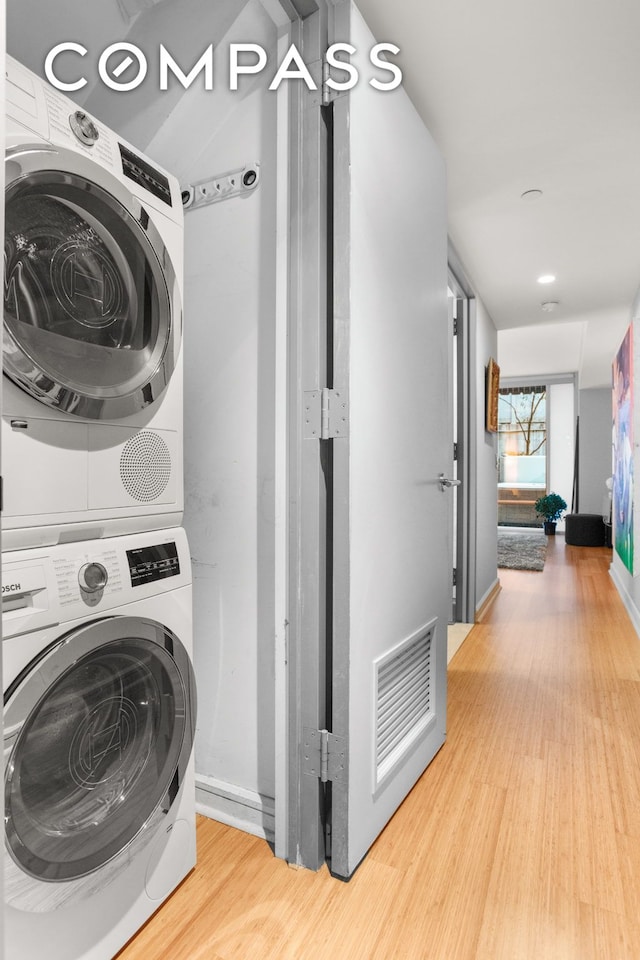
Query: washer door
98	734
91	304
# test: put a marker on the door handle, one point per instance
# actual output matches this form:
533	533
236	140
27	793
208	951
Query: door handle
447	482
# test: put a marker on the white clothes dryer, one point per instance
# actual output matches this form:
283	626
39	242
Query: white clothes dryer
99	720
92	392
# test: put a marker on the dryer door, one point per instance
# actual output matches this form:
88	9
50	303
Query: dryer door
98	734
91	304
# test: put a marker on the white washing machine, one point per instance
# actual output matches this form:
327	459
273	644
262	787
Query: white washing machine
92	392
99	720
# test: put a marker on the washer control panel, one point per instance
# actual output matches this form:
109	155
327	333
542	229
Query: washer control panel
87	576
156	562
58	584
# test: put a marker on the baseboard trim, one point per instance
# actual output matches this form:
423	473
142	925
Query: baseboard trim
244	809
487	600
627	599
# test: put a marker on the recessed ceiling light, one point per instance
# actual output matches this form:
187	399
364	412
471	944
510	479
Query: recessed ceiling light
550	305
547	278
531	195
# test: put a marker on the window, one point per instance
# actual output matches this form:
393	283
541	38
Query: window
522	453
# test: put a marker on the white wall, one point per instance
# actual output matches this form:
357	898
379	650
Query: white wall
525	351
230	277
580	345
595	448
34	27
484	344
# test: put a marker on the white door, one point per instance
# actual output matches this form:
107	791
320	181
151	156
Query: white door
392	552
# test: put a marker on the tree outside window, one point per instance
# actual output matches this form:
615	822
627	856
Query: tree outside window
522	435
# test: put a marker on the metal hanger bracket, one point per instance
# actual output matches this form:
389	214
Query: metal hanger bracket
224	186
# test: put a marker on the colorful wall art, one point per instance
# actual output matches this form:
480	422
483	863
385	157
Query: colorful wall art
623	467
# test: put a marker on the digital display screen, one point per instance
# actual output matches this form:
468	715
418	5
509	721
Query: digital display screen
147	564
145	175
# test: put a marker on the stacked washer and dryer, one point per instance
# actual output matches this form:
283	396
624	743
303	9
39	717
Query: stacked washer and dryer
99	692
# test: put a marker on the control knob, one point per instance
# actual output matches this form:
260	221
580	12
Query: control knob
84	128
92	577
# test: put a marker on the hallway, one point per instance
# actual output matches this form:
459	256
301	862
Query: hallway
520	841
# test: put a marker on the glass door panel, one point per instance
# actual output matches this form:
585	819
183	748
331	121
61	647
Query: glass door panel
522	454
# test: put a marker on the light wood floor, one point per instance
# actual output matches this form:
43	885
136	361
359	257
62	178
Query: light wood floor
520	842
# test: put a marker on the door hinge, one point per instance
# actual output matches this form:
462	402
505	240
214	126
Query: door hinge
455	577
328	93
326	414
324	756
455	326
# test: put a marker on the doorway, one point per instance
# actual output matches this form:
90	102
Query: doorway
461	531
461	522
522	453
536	444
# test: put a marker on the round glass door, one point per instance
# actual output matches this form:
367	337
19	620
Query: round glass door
90	298
100	750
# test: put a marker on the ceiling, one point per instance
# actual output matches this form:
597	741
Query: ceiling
543	96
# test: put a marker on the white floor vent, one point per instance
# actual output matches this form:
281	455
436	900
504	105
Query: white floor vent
404	706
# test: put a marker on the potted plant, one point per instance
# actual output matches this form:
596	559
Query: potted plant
550	508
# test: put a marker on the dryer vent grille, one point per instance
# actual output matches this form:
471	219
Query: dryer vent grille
145	466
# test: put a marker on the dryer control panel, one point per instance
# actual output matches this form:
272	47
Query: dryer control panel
41	588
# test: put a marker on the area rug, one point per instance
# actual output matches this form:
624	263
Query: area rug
521	551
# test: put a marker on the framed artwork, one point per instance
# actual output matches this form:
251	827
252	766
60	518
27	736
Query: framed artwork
623	452
493	388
